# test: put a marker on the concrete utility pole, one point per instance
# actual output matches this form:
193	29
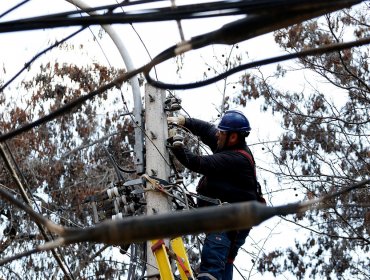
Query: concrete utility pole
157	158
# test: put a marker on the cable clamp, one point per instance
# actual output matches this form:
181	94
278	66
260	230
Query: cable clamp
155	185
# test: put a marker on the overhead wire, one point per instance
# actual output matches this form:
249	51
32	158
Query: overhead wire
304	53
14	8
190	11
10	166
118	169
26	66
194	43
28	63
16	170
146	70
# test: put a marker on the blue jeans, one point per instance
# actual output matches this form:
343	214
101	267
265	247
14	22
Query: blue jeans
218	254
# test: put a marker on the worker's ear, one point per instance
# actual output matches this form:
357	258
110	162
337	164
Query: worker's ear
233	138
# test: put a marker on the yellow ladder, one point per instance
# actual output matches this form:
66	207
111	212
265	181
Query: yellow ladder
178	252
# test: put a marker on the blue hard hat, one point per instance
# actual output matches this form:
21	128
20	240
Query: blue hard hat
234	121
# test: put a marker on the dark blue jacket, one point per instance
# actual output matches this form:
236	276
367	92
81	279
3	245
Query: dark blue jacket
228	175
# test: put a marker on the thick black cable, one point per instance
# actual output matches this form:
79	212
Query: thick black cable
309	52
192	11
105	9
28	64
143	15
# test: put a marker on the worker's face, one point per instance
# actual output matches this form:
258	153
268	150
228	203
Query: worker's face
221	139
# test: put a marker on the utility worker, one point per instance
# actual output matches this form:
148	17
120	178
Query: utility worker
228	175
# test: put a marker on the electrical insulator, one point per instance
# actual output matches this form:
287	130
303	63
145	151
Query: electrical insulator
172	104
176	137
172	132
117	216
113	192
178	140
124	199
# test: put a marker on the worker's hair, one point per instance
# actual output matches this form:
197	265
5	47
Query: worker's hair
243	134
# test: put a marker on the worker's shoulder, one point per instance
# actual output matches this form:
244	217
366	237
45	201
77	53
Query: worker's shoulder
241	155
237	153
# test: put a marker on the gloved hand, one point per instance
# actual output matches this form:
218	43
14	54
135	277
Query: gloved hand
180	120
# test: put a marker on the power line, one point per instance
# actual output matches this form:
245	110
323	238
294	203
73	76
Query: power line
59	258
14	8
309	52
192	11
233	35
165	55
28	64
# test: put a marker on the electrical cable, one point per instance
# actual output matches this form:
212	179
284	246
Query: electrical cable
59	258
116	166
192	11
69	106
28	64
22	177
143	15
14	8
171	52
309	52
236	67
165	55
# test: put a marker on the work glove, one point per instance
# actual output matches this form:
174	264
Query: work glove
180	120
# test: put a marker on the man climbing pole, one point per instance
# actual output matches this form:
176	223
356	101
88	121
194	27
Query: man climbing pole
228	175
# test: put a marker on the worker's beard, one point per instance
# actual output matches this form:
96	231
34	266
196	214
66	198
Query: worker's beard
221	145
